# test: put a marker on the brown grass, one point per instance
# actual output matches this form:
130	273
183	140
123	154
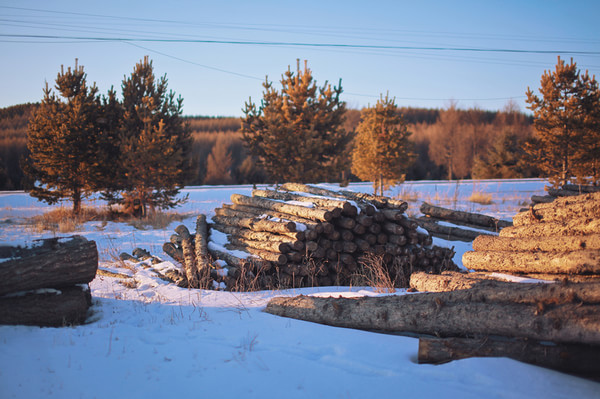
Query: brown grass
481	198
62	220
372	272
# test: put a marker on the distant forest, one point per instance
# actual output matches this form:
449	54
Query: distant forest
449	143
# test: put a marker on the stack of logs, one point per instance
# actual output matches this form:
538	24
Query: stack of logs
47	284
567	190
549	241
455	225
304	235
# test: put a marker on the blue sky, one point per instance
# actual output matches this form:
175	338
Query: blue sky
424	53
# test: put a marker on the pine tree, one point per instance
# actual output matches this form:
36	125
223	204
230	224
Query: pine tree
154	144
382	151
563	120
65	142
297	134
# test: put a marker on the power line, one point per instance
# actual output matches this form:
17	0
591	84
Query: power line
304	44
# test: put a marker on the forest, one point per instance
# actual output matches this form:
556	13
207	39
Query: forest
449	143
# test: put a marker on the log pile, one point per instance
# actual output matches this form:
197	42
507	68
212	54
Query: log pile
454	225
553	240
47	284
304	235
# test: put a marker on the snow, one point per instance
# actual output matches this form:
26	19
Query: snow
149	339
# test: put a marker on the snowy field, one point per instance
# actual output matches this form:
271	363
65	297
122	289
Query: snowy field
158	340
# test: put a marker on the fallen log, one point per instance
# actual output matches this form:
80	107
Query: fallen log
318	214
55	262
345	206
365	207
255	235
447	232
575	262
561	313
577	226
176	253
580	360
47	307
203	260
447	281
465	217
560	211
189	261
255	223
544	244
582	188
542	199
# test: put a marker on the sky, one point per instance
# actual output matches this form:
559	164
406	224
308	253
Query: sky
217	54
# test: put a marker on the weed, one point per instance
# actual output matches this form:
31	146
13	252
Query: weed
373	272
481	198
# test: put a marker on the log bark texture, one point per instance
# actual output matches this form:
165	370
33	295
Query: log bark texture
47	308
532	243
465	217
448	232
296	210
587	205
575	262
54	263
446	281
581	360
546	312
577	226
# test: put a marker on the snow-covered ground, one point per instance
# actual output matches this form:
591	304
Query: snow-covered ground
159	340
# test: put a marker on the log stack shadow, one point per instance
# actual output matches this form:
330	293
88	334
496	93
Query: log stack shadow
302	235
47	284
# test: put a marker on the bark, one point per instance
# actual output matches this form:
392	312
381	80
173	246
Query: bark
465	217
573	227
581	188
272	246
575	262
277	258
581	360
556	192
189	259
345	206
256	223
559	211
365	207
543	199
296	210
310	224
546	312
449	281
173	252
543	244
203	260
256	235
47	308
447	232
55	263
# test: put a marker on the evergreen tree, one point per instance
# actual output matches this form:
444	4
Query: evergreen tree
382	152
154	144
563	122
297	134
505	159
64	141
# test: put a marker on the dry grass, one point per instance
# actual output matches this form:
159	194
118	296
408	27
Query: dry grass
62	220
481	198
373	272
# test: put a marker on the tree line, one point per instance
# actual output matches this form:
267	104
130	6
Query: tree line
301	132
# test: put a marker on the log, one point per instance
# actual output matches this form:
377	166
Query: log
255	223
274	257
203	261
575	262
544	244
582	188
577	226
189	259
345	206
364	206
542	199
448	281
255	235
272	246
561	313
176	253
557	192
278	216
52	263
47	307
317	214
560	211
447	232
580	360
465	217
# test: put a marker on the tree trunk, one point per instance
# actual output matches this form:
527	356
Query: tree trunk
575	262
560	211
562	313
345	206
57	262
465	217
256	224
257	235
189	264
47	307
581	360
581	225
544	244
448	281
447	232
296	210
201	245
